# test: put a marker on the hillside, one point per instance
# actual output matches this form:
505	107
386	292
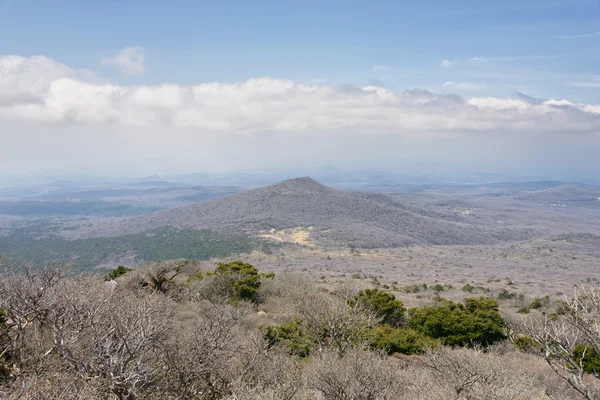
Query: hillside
335	217
567	195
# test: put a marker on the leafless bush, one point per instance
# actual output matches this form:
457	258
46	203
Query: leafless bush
26	295
273	376
214	289
201	358
284	292
59	385
82	326
166	277
558	337
359	375
160	276
473	374
347	290
333	324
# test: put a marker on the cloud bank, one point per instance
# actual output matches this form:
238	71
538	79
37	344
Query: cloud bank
41	90
42	97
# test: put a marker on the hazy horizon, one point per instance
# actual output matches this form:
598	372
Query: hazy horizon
417	174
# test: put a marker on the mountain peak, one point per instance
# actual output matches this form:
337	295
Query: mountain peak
304	184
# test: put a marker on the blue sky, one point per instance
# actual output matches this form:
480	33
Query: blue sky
121	84
541	48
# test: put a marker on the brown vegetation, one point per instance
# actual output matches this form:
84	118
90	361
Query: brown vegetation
69	337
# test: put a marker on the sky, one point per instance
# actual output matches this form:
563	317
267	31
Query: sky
153	86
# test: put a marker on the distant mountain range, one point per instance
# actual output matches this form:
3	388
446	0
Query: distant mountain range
329	216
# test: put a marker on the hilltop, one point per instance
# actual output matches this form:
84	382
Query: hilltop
333	216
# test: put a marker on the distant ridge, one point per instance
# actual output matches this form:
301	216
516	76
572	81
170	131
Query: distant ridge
567	195
336	217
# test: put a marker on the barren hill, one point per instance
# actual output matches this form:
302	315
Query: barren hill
332	216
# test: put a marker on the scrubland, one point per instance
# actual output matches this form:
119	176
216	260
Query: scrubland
183	330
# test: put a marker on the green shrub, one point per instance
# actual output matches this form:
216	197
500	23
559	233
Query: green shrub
400	340
384	304
506	295
290	335
437	288
441	288
539	303
240	280
588	357
524	310
117	272
468	288
414	288
526	344
477	322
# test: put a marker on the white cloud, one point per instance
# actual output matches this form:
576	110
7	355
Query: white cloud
446	63
27	80
129	60
477	59
41	90
463	86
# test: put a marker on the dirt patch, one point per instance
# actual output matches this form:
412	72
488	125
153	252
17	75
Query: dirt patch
298	235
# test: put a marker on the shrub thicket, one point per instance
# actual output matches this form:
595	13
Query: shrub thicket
240	280
477	322
289	334
384	304
401	340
